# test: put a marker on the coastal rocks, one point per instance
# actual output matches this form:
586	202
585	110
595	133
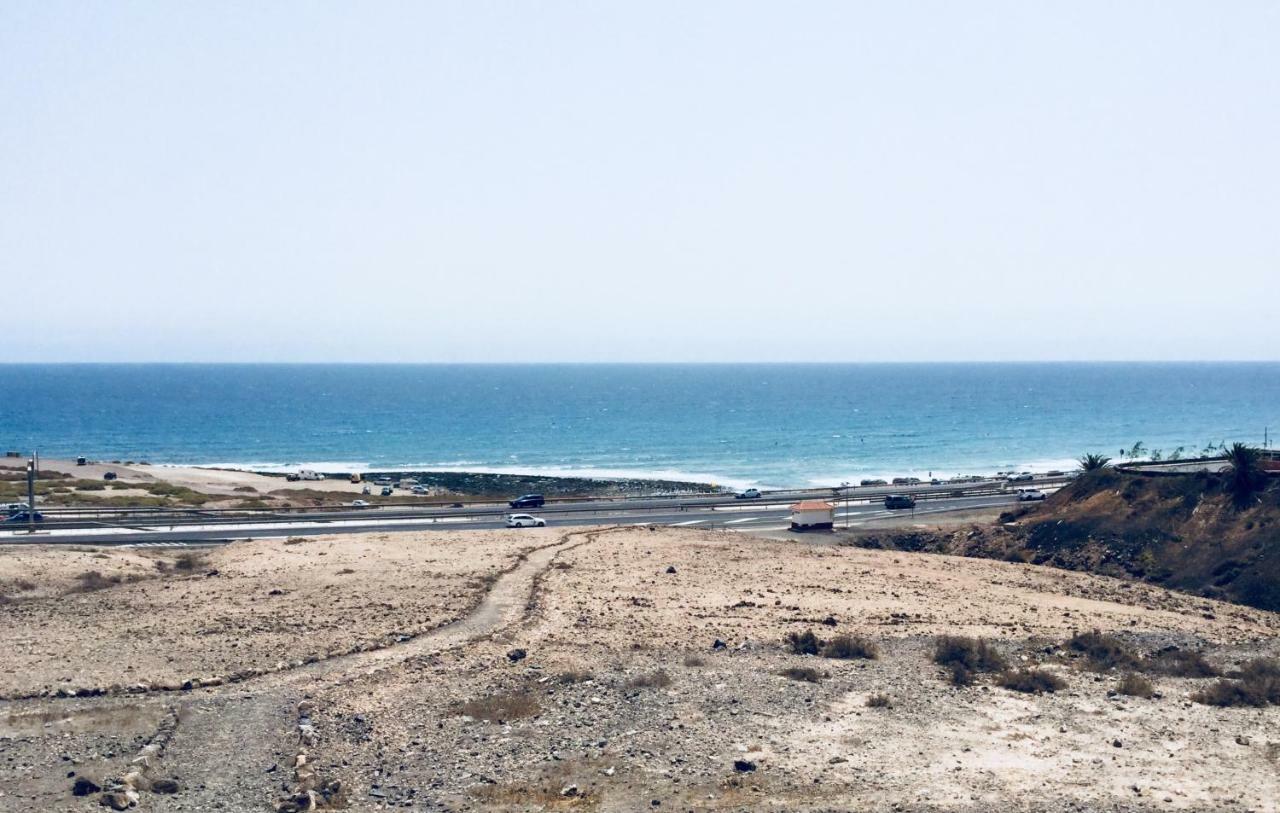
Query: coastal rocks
743	765
84	787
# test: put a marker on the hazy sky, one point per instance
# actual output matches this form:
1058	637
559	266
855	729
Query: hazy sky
645	181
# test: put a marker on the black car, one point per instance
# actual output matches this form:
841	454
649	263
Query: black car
528	501
24	516
899	501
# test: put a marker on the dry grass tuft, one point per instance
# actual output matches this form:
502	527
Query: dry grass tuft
1135	685
804	673
501	707
804	643
850	647
1030	681
1103	652
879	701
657	679
966	657
1180	663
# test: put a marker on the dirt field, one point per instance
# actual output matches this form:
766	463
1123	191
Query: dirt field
603	669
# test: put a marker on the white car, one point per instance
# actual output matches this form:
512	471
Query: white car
524	521
749	494
1018	478
1030	495
419	489
359	503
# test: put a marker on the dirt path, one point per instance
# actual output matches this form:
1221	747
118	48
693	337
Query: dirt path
234	746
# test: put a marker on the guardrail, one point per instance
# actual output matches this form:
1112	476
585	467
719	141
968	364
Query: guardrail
159	517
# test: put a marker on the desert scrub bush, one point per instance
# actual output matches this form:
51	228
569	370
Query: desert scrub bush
574	676
92	580
657	679
501	707
804	673
245	489
965	657
694	660
1135	685
1102	652
1180	663
849	647
1030	681
188	561
879	701
1255	684
804	643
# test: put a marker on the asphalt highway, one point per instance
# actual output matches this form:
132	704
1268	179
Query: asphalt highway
766	515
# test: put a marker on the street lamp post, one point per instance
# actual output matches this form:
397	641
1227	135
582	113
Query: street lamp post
31	493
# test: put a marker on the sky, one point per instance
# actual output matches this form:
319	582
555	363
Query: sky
710	181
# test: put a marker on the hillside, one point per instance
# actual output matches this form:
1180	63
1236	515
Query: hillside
1182	532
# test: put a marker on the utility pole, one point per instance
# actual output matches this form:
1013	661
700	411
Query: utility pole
31	493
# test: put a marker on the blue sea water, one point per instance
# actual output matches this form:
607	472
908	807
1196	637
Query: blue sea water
766	424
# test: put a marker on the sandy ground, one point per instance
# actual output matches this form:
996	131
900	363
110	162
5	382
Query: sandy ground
167	617
207	481
586	678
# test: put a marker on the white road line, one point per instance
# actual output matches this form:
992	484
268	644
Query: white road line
747	519
687	522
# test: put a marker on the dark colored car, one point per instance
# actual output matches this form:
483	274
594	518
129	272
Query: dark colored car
24	516
111	475
899	501
528	501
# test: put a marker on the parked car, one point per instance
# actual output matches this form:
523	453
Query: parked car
365	490
528	501
1030	494
524	521
359	503
419	489
111	475
24	516
906	481
873	483
899	501
387	491
81	461
748	494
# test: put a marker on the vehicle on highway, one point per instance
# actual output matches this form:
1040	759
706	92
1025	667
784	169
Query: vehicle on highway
387	491
1030	495
1053	473
111	475
906	481
15	507
528	501
899	501
359	503
748	494
524	521
873	483
1021	477
24	516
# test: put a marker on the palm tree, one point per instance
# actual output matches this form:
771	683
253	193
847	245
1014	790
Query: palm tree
1247	477
1094	462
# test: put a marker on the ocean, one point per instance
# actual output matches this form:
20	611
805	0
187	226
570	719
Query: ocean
732	424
